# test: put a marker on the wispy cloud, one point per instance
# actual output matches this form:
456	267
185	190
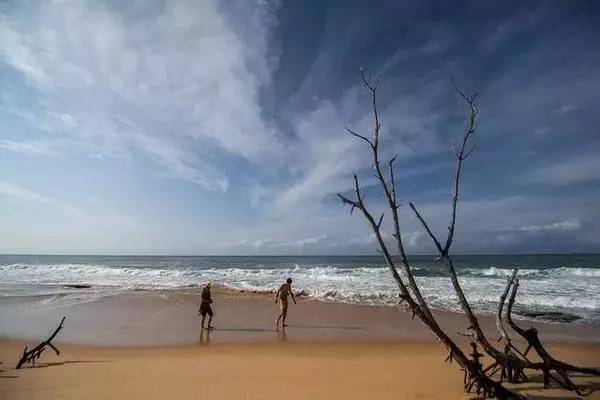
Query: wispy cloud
581	169
308	241
20	193
241	98
571	224
159	82
29	148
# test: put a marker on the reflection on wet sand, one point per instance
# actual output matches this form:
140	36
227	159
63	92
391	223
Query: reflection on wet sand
204	337
281	335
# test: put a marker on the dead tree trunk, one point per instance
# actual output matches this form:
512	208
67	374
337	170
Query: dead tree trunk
549	363
509	348
475	380
29	356
508	362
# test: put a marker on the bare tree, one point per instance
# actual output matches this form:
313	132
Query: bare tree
510	362
507	361
476	380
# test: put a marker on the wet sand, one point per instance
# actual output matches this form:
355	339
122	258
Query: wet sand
149	345
171	318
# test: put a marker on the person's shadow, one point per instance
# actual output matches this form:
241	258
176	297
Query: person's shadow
281	335
204	337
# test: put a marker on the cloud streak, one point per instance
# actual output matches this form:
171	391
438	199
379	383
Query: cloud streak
219	126
158	83
29	148
580	169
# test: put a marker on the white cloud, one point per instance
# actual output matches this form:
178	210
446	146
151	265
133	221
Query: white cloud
571	224
181	86
29	148
514	26
580	169
73	212
157	82
260	243
327	156
440	40
565	108
16	191
311	240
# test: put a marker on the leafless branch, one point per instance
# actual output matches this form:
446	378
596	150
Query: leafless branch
380	220
30	356
427	229
476	379
393	181
350	131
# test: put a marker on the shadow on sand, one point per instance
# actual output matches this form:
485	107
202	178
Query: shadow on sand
243	330
59	363
345	328
538	384
51	364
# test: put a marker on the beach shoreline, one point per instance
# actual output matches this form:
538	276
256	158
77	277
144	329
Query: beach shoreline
170	318
152	341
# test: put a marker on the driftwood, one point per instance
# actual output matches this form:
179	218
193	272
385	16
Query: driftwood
508	363
476	380
509	347
29	356
549	363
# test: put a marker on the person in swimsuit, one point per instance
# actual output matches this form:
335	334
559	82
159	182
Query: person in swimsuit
282	294
205	306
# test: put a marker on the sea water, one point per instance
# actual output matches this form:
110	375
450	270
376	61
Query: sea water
560	288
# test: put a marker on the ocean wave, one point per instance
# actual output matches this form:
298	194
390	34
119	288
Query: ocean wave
573	289
532	273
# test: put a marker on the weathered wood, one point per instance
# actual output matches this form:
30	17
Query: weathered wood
511	365
510	374
549	363
475	379
30	356
499	321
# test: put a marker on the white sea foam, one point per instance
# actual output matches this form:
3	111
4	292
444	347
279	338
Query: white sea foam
572	290
548	272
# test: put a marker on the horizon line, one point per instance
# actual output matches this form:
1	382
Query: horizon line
292	255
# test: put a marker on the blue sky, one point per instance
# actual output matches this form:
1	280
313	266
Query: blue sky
205	127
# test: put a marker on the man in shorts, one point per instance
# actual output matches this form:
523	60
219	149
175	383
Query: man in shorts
282	294
205	307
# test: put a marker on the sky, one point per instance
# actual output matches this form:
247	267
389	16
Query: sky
217	127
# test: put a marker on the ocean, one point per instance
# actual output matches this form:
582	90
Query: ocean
559	288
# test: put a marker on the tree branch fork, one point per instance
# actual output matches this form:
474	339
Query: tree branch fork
509	363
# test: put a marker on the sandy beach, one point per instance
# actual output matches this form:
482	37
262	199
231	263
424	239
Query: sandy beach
419	176
149	345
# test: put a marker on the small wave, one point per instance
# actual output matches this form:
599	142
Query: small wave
573	289
532	273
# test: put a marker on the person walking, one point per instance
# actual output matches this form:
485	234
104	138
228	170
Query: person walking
205	307
282	294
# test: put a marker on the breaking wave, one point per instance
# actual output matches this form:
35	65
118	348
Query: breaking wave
571	290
